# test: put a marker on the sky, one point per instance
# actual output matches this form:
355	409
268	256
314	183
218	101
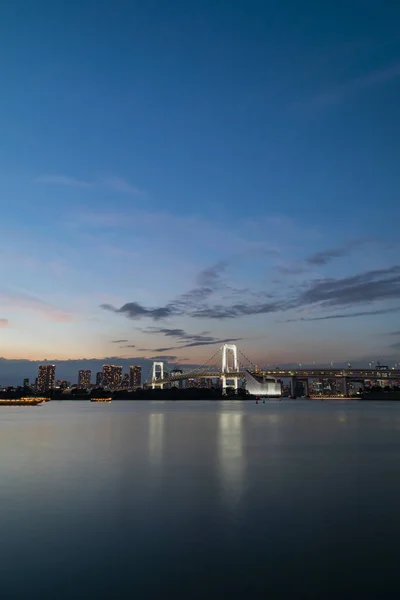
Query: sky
174	175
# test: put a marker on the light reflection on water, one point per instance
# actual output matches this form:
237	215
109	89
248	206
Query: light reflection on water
199	500
156	437
230	453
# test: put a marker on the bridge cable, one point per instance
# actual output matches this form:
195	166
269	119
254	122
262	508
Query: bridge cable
248	360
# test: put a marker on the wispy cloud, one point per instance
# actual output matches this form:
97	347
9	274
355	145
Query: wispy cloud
63	180
211	276
370	286
179	333
49	311
3	323
340	92
325	256
118	184
165	357
363	288
184	339
365	313
118	341
134	310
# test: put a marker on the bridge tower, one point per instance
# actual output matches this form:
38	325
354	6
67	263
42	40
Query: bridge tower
227	369
157	373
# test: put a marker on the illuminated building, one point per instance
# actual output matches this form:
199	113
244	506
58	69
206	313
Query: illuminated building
45	380
179	382
99	378
62	384
125	381
193	382
112	377
260	385
84	378
135	377
26	382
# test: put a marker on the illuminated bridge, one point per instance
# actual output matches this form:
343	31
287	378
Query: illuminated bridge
232	370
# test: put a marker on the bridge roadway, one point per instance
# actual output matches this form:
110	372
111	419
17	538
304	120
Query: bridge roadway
349	374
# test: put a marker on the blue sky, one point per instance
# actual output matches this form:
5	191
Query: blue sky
177	173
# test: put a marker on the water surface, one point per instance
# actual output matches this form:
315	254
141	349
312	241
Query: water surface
290	499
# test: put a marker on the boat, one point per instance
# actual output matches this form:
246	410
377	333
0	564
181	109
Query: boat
101	399
21	401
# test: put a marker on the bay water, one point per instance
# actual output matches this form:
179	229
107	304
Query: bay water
287	499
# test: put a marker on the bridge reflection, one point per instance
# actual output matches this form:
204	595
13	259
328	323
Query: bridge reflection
156	437
230	454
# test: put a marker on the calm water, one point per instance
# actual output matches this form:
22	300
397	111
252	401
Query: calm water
200	500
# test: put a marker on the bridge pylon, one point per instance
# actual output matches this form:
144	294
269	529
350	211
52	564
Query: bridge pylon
228	371
158	369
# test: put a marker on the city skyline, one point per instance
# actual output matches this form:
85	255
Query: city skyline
196	178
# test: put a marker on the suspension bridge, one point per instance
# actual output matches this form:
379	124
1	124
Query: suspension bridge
230	366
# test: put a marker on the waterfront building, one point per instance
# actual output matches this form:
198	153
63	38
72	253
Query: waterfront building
26	382
125	381
135	377
84	378
45	380
99	378
179	382
112	376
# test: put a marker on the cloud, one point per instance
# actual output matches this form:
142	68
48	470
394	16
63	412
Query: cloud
210	277
360	289
23	300
324	257
370	286
364	313
161	349
134	310
185	340
118	184
3	323
237	310
396	346
164	357
223	341
339	93
63	180
118	341
181	334
128	346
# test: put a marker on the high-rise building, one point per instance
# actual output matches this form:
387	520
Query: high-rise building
135	377
112	377
99	378
26	382
84	379
179	382
45	380
125	381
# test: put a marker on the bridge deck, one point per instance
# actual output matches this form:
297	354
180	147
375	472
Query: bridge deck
350	374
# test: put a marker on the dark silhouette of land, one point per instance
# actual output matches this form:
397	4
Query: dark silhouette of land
140	394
